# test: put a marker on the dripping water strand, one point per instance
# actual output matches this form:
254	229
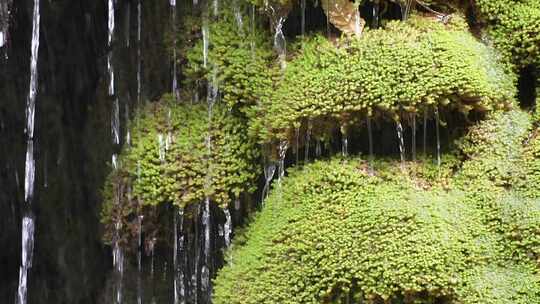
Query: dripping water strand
139	261
437	133
269	171
27	225
425	132
413	132
297	144
174	85
344	142
308	141
399	129
370	143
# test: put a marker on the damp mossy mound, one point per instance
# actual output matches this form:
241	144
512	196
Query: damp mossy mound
335	232
513	26
239	60
407	67
180	156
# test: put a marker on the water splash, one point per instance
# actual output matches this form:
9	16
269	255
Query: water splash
308	141
30	166
399	129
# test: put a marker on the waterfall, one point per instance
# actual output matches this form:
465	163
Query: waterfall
308	141
399	129
370	143
27	231
437	133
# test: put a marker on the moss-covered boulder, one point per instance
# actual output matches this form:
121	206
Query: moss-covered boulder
513	25
336	232
404	69
180	155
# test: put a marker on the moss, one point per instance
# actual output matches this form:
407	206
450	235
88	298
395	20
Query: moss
392	72
513	28
239	61
170	160
352	235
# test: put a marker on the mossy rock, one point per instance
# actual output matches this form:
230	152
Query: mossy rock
513	25
180	156
390	73
335	231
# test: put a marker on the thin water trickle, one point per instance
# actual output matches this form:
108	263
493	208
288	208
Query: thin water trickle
174	85
399	129
280	44
238	16
297	144
370	142
26	257
376	9
303	17
437	133
413	131
318	149
227	228
27	250
425	132
308	141
161	147
282	152
206	42
139	262
269	171
127	24
178	260
139	54
252	29
344	142
207	254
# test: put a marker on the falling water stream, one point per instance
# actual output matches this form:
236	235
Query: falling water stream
27	243
308	141
174	85
370	142
437	134
344	142
413	133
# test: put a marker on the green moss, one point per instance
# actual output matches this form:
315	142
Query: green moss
400	70
413	233
513	27
239	61
182	170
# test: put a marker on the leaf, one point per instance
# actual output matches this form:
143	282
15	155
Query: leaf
344	15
